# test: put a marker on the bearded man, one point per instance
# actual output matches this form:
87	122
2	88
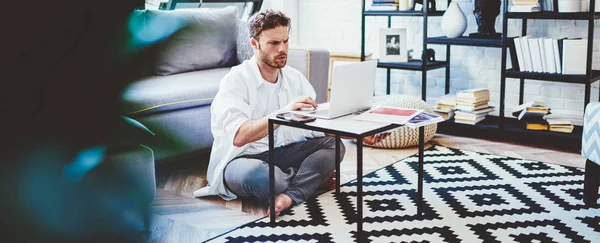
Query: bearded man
248	95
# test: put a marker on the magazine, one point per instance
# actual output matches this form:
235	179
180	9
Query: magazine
387	114
424	118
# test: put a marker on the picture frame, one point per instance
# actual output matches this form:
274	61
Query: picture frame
392	45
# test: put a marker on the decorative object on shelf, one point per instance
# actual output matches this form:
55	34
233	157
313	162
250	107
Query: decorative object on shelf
454	22
431	4
429	55
570	6
392	45
403	5
411	54
411	4
485	12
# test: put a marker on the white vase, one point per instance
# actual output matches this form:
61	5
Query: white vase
454	22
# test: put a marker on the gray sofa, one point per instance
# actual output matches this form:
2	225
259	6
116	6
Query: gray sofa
173	99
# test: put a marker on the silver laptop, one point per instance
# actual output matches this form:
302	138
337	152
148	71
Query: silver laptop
352	87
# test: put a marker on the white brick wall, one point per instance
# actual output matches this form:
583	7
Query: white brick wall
335	25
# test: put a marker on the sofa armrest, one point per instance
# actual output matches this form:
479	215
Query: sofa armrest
314	64
590	148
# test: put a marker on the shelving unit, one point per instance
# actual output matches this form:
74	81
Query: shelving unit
486	128
508	124
504	128
412	65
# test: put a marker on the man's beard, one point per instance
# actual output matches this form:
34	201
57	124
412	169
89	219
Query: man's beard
275	62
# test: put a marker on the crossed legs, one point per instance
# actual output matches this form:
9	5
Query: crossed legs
299	169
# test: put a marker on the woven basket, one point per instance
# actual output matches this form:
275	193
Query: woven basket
405	136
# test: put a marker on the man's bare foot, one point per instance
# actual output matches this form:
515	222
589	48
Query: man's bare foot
282	202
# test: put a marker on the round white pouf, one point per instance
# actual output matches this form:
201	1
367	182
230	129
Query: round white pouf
405	136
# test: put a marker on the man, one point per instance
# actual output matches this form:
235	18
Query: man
249	94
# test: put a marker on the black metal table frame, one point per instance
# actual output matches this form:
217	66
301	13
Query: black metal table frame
359	164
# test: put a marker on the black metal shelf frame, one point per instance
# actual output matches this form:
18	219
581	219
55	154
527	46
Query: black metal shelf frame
413	65
465	41
587	79
554	15
554	77
409	13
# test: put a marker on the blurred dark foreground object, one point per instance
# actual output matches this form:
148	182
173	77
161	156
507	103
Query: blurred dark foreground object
68	172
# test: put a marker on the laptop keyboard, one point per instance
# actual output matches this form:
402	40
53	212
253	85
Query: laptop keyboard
322	112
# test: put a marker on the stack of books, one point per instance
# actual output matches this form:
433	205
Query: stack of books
550	55
525	6
384	5
472	106
445	106
532	114
560	125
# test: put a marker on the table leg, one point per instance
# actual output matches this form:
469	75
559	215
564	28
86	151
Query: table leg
271	174
359	189
420	185
337	164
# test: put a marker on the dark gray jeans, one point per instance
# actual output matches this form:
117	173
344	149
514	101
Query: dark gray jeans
299	170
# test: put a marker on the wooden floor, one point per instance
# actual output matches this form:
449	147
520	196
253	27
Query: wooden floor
180	217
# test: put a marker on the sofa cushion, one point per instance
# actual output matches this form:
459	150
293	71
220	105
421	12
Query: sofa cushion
204	39
244	49
179	91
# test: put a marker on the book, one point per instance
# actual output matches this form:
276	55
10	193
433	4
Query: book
473	107
534	103
483	110
469	122
473	100
549	51
444	106
543	54
560	125
424	118
468	116
532	113
536	59
525	8
526	54
536	124
573	54
388	114
519	54
557	54
445	113
473	93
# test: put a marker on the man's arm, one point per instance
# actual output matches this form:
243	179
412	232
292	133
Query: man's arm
253	130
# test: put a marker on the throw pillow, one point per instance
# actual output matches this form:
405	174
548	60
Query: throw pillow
244	49
204	39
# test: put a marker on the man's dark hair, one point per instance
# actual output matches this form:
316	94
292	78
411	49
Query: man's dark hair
267	20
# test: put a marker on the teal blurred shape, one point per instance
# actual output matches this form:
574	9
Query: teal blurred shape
147	29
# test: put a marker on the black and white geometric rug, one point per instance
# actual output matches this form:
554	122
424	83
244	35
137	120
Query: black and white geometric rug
469	197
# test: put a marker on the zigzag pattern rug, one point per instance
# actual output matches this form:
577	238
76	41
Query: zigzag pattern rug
469	196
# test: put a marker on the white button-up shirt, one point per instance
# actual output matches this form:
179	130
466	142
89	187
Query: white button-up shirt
237	101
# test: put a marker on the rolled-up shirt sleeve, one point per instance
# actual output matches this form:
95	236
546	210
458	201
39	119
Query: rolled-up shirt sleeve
230	109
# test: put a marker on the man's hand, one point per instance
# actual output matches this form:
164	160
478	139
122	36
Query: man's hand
299	103
371	140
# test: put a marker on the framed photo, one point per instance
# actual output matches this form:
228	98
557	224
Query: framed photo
392	45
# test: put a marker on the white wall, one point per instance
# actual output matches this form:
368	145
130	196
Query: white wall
335	25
